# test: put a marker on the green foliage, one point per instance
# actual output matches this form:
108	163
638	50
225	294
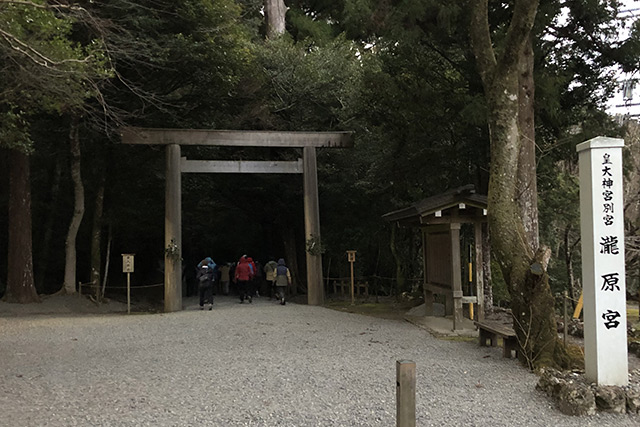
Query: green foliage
172	251
408	100
559	210
629	51
561	205
306	86
179	63
44	70
422	119
304	27
14	129
314	245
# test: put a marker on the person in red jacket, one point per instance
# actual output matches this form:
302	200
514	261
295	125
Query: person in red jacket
252	288
243	277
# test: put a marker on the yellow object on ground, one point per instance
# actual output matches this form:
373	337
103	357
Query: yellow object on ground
576	313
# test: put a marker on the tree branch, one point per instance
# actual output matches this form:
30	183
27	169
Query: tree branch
524	14
481	40
33	54
46	6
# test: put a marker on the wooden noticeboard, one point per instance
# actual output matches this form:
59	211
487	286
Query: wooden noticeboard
127	263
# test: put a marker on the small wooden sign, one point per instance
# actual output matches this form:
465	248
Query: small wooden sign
351	256
127	263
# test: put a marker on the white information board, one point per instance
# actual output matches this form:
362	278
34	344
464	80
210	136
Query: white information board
603	268
127	263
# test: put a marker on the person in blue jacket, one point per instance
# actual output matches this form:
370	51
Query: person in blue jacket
282	279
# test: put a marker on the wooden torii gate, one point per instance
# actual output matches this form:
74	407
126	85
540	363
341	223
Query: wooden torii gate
175	166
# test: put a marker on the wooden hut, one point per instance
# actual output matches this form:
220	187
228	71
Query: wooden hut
440	218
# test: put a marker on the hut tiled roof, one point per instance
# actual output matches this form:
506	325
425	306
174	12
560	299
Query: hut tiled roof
451	198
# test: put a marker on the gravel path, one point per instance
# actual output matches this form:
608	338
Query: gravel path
257	364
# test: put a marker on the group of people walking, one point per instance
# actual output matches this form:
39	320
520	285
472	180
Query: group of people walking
246	275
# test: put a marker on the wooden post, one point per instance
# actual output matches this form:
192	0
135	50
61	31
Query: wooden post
456	275
351	257
471	282
479	274
128	268
565	297
315	291
405	393
352	294
173	231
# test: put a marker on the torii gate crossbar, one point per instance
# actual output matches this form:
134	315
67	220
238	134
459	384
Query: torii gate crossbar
175	166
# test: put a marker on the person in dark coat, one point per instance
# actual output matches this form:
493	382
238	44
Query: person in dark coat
205	276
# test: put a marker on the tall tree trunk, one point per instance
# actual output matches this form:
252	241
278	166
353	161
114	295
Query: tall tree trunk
632	202
78	211
527	179
523	264
96	240
275	12
41	266
20	285
401	273
107	257
632	177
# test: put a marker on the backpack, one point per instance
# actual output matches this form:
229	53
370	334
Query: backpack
205	275
281	270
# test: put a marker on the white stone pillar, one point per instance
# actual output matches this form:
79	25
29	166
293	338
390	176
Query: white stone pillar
603	268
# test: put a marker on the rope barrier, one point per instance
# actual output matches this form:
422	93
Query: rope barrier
135	287
122	287
394	279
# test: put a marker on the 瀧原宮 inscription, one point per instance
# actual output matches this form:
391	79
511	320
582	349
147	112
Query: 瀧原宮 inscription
603	269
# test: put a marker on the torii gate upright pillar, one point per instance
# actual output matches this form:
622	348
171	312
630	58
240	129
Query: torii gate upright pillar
173	232
315	291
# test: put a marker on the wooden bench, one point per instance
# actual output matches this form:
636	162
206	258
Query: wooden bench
492	330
